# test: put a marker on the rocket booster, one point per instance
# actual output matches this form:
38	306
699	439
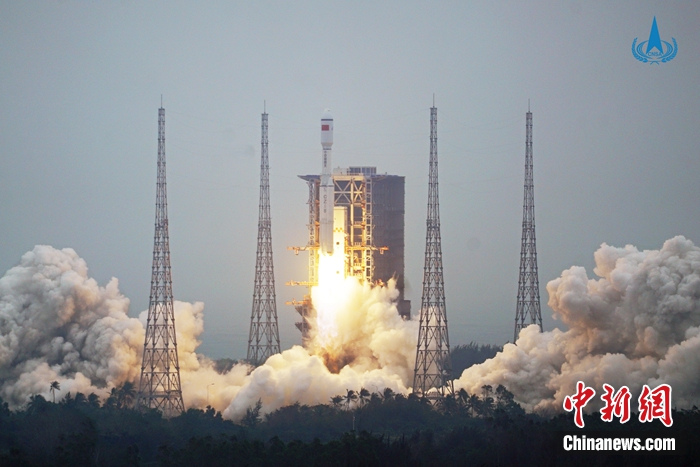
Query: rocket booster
326	191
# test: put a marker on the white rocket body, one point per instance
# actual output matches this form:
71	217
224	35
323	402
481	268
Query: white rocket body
326	191
340	214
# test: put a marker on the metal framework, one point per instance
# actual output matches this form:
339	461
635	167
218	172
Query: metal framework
159	387
313	233
264	339
354	190
304	307
374	206
433	370
528	282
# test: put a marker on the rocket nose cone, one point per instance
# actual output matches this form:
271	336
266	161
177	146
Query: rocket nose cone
327	115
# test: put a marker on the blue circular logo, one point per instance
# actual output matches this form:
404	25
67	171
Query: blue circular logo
654	50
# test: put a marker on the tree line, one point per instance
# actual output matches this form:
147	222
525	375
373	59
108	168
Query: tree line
358	427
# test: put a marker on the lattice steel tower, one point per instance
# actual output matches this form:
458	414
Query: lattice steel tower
159	387
528	281
264	339
433	363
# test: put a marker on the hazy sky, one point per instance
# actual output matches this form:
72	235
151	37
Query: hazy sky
616	141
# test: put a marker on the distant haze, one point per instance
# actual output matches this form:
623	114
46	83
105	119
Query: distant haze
615	140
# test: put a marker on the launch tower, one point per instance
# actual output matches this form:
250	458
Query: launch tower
528	282
367	225
374	227
159	387
433	371
264	339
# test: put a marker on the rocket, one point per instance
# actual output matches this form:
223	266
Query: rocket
327	190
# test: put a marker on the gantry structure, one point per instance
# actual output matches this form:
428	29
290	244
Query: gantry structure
374	232
528	311
433	371
264	339
159	387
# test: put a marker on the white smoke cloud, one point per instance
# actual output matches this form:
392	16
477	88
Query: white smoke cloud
371	347
201	384
638	323
56	323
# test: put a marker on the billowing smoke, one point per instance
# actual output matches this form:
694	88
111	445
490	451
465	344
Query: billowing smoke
58	324
362	328
367	346
201	384
638	323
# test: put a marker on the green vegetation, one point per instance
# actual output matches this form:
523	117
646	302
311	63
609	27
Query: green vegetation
371	429
357	427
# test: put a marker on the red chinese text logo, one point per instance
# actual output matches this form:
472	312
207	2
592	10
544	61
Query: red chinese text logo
656	404
578	401
653	403
617	404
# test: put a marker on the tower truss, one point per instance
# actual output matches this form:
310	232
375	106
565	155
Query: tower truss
159	387
374	243
433	371
264	339
528	308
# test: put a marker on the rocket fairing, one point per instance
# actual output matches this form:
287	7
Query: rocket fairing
327	190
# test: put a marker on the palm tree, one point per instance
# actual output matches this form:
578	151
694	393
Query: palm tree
448	404
37	404
388	394
67	399
252	415
462	397
55	386
474	403
364	396
93	400
487	399
351	396
336	400
503	396
125	395
111	401
80	399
